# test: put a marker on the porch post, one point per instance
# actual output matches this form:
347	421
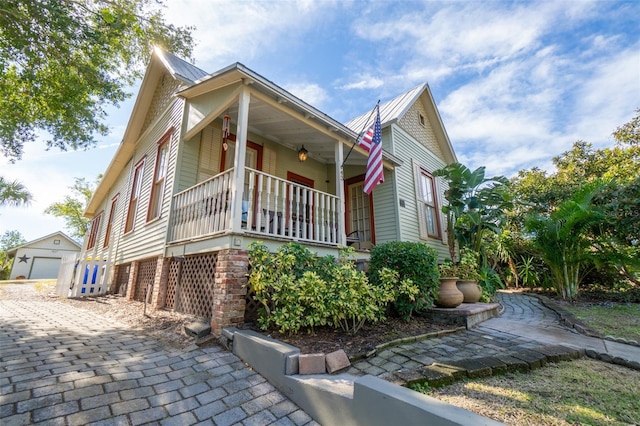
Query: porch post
237	186
339	154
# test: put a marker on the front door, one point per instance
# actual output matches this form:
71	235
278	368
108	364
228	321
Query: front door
359	214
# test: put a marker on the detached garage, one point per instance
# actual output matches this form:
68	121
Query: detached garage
41	258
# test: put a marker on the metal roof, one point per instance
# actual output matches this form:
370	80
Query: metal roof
390	111
180	68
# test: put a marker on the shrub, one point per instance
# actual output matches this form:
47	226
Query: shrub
298	290
416	262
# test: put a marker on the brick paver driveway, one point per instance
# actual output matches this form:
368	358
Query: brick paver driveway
63	365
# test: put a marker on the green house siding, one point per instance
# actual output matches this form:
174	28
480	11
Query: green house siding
384	209
411	151
148	238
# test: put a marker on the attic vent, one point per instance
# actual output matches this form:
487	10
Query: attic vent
421	120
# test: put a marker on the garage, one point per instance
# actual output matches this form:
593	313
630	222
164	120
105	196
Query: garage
44	267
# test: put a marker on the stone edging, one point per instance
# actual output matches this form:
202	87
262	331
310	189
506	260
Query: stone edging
569	320
403	340
442	374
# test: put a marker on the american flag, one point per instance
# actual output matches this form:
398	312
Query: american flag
372	142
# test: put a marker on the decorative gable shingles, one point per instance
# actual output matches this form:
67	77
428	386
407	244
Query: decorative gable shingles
162	96
410	122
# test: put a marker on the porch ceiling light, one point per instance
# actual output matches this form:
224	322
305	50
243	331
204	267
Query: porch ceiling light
302	154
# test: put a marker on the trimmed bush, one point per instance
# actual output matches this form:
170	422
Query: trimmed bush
298	290
416	262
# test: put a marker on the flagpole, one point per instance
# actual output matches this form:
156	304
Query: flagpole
361	132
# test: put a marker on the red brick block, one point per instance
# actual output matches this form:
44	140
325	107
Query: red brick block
311	364
337	361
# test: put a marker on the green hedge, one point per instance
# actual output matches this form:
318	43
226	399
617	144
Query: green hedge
416	262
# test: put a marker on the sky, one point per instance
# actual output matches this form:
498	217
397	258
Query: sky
516	82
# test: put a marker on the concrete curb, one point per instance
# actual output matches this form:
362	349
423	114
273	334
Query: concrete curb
343	398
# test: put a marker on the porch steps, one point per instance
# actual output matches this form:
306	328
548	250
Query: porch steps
466	315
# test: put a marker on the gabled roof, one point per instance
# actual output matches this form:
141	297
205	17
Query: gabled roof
58	233
161	61
392	111
179	68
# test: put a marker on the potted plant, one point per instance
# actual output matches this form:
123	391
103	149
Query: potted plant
448	294
468	276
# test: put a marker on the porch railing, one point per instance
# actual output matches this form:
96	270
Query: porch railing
285	209
271	206
203	209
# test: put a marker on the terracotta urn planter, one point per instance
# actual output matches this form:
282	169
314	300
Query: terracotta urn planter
470	289
448	294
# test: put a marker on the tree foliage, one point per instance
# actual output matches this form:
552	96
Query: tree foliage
565	239
72	208
63	61
8	240
476	206
613	242
13	193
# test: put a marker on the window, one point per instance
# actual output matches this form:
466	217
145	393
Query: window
56	242
421	120
136	185
427	204
159	177
93	233
112	212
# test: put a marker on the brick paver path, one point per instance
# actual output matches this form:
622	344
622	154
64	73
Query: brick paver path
62	365
478	342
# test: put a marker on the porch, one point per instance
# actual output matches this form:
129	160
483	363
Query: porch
270	207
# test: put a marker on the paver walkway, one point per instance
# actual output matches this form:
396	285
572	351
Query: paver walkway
62	365
525	325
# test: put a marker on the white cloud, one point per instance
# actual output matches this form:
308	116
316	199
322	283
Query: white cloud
311	93
363	82
228	31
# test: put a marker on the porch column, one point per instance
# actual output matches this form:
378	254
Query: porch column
237	186
339	154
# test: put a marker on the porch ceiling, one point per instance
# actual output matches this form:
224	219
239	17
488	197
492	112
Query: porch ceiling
283	128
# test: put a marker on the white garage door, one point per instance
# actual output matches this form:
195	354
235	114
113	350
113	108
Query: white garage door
44	267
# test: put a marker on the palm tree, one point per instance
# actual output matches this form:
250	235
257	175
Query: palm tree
565	238
13	193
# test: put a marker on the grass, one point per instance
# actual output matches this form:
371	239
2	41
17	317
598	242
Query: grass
573	392
618	320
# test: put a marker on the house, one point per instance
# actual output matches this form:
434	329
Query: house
41	258
209	163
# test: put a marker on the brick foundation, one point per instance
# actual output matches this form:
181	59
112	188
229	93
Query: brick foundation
229	290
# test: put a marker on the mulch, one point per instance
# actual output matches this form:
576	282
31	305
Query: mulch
328	339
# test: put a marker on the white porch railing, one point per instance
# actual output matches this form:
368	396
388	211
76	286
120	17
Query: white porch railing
271	207
203	209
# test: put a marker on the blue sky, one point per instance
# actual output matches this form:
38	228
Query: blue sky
516	83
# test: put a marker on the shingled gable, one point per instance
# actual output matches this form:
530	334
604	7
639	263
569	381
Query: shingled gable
394	110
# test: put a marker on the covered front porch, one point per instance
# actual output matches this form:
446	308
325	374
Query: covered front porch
240	173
